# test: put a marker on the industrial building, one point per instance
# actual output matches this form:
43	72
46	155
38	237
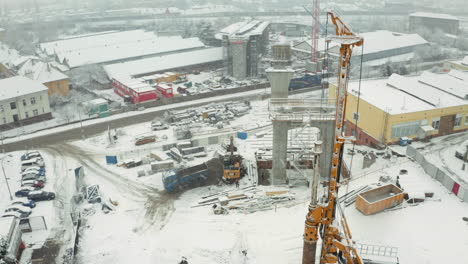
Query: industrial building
447	23
47	74
22	101
244	43
417	107
381	46
113	47
184	61
457	64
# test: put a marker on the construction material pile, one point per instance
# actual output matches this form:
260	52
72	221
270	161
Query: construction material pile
249	199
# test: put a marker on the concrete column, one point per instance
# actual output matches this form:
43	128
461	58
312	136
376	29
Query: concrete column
279	80
280	148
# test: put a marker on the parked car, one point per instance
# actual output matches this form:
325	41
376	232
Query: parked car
32	162
32	176
23	210
460	151
24	202
35	170
158	125
14	214
41	195
33	183
24	191
30	155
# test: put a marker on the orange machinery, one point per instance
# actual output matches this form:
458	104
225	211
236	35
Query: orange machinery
321	220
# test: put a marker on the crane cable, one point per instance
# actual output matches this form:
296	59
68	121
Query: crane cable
356	121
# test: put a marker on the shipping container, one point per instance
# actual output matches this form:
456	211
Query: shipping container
379	199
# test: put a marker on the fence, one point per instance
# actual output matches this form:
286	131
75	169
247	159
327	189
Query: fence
451	182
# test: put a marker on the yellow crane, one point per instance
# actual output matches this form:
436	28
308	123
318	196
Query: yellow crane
337	247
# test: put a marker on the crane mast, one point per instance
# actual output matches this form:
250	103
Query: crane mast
337	247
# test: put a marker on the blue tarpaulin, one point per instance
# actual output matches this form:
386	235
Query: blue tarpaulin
111	159
242	135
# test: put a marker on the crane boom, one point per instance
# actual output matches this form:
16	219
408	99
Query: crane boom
320	220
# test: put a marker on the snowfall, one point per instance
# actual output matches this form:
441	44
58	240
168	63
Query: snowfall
150	226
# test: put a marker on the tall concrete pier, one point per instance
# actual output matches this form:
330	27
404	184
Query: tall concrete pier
279	80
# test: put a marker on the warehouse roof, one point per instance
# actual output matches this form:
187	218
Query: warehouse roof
19	86
116	46
434	15
40	71
402	94
383	40
163	63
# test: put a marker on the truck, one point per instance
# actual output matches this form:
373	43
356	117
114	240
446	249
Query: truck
178	180
308	80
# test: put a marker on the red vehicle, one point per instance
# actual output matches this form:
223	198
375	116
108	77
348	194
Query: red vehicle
165	90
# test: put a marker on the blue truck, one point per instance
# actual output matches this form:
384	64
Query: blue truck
308	80
186	178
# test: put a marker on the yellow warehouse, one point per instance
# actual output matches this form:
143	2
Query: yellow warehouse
418	107
457	64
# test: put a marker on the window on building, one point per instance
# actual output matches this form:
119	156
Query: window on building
458	119
33	100
42	109
4	120
356	116
466	119
24	102
26	114
436	123
405	129
1	108
40	97
35	112
13	105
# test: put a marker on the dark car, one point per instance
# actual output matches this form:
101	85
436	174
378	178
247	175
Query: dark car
41	196
30	155
24	191
24	202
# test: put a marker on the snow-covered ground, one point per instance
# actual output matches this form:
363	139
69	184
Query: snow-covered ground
151	226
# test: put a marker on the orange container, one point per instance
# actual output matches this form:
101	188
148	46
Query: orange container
379	199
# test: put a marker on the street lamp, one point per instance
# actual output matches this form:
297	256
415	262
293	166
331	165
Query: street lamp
4	175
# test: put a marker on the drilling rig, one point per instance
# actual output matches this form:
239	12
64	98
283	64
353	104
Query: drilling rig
322	220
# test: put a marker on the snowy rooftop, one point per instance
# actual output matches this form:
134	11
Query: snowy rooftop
434	15
245	28
400	94
8	55
163	63
19	86
116	46
41	71
382	40
455	82
377	41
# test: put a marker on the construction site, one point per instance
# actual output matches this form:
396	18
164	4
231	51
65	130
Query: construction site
331	167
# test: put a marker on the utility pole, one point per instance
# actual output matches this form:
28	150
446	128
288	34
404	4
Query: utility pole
6	180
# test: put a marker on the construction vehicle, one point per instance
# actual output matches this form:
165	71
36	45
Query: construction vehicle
233	169
323	219
186	178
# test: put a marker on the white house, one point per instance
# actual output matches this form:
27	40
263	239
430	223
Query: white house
22	101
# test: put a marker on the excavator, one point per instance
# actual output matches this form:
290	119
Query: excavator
233	169
322	219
